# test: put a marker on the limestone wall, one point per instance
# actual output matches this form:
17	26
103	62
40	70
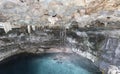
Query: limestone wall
36	11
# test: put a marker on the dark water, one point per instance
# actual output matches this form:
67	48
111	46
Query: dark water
55	63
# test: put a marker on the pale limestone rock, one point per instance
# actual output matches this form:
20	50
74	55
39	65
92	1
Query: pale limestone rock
79	2
6	26
29	28
117	51
82	34
33	27
76	16
9	5
28	20
113	70
3	18
84	20
52	20
36	9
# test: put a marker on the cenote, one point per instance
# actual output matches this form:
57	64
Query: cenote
48	63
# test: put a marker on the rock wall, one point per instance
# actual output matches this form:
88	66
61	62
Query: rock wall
100	46
36	12
91	27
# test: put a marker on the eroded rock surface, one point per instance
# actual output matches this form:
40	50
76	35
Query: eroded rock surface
37	12
87	27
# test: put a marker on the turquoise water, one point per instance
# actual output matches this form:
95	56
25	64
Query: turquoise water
49	64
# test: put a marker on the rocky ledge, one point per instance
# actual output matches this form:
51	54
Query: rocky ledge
17	13
90	28
100	45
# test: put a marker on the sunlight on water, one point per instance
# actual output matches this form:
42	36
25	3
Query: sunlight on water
43	65
49	66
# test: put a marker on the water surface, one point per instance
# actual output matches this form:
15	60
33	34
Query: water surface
54	63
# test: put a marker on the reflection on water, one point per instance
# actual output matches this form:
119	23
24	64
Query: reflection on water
59	63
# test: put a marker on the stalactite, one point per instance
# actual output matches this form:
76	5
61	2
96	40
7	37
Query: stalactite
29	28
6	26
33	27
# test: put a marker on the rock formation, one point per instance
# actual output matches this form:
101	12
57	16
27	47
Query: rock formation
91	27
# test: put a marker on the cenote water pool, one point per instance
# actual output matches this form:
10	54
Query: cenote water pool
51	63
